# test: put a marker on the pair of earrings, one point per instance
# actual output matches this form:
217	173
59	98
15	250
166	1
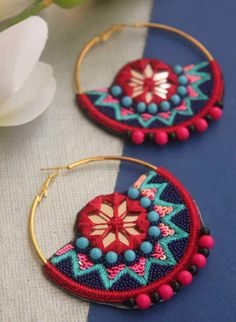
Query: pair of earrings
140	247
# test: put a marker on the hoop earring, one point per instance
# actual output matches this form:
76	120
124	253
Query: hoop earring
131	249
150	99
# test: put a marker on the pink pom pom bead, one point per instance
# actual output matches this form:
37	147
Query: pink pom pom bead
161	138
201	125
199	260
185	278
165	292
137	137
206	241
215	113
143	301
182	134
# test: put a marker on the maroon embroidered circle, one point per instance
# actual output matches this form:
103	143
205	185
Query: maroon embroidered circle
113	223
147	80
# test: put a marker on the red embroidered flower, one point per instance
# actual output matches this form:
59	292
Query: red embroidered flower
147	80
113	223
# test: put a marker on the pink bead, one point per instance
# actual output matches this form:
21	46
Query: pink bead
206	241
165	292
215	113
161	138
182	134
185	277
199	260
201	125
143	301
137	137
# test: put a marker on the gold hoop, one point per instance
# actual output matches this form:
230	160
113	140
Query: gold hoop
56	170
118	27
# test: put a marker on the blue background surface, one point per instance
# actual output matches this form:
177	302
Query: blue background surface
205	164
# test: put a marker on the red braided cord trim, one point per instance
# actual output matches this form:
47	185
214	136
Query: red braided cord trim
217	93
118	297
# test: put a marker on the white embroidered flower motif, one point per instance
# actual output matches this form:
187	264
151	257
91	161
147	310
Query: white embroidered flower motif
149	83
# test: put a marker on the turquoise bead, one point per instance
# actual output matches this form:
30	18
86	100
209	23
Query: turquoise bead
153	216
182	91
175	100
82	242
133	193
145	202
111	257
116	90
141	107
146	247
178	69
129	255
152	108
95	253
126	101
154	231
165	106
182	80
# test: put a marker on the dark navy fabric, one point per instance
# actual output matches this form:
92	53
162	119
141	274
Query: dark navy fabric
205	164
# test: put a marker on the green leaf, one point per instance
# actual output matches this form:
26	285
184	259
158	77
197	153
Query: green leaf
68	3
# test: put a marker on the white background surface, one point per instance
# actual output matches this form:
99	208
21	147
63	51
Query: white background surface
60	136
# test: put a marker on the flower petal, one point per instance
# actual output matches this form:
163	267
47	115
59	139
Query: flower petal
108	239
160	90
165	85
149	97
107	210
148	72
161	75
21	46
31	88
23	107
122	209
136	74
123	238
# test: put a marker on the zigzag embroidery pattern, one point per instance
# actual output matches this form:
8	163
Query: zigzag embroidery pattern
194	71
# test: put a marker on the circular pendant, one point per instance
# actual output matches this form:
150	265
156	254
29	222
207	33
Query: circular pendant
136	248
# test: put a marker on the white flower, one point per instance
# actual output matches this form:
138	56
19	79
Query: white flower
27	86
151	83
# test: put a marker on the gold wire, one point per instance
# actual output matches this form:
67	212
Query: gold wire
55	172
118	27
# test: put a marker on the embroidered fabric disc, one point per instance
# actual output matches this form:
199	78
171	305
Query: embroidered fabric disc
130	243
151	99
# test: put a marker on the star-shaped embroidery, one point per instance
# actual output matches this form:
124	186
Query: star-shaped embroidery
149	83
114	222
